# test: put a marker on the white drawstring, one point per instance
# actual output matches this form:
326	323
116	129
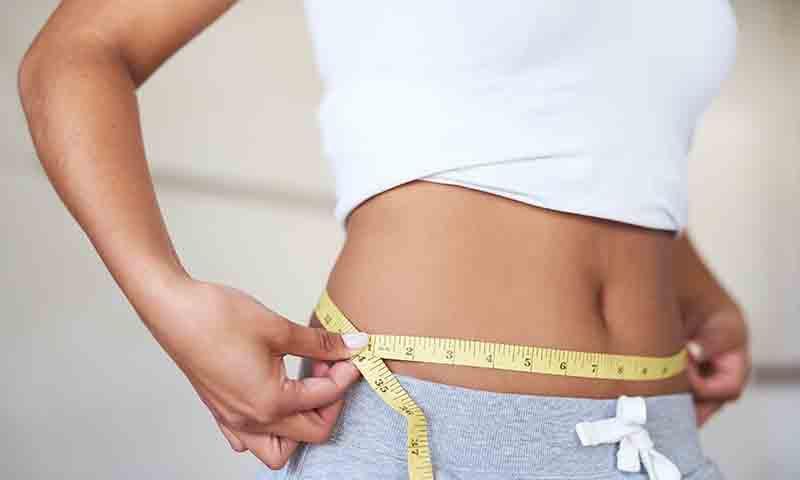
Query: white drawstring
635	445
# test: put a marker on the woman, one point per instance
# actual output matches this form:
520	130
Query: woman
506	171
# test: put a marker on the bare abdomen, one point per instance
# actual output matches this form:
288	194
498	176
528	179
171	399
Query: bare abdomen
440	260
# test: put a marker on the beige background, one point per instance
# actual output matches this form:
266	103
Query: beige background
230	133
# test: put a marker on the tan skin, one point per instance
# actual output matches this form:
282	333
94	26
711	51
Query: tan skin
422	258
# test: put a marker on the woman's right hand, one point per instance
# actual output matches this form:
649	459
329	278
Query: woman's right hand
231	348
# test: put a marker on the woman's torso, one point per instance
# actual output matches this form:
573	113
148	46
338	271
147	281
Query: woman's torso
600	100
441	260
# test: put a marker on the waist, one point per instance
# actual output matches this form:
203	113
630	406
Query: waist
440	260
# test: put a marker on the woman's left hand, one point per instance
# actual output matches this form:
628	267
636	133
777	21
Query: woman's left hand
719	364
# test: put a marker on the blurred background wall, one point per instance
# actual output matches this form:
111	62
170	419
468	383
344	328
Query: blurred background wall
231	137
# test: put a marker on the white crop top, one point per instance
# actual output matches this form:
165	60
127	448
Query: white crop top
577	106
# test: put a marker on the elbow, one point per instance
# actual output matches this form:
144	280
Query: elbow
46	63
38	69
32	82
28	75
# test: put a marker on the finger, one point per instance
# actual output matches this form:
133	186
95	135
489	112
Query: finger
313	426
705	409
315	392
726	379
319	368
272	450
329	413
300	409
322	419
236	444
318	343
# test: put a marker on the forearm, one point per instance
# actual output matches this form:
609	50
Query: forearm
83	117
699	292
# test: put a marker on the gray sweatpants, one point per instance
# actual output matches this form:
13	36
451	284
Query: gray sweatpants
475	434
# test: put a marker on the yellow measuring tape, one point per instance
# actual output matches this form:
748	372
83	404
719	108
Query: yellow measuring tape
473	353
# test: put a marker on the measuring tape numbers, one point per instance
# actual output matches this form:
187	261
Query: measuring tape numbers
475	353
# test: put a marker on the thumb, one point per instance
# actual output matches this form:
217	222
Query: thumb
319	343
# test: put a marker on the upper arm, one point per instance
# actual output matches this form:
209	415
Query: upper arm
143	33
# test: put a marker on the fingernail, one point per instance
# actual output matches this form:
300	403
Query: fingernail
695	350
354	341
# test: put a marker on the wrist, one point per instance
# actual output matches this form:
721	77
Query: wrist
699	311
152	287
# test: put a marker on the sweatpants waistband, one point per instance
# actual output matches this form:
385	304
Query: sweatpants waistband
480	430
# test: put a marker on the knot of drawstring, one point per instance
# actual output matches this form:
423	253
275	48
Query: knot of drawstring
635	444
